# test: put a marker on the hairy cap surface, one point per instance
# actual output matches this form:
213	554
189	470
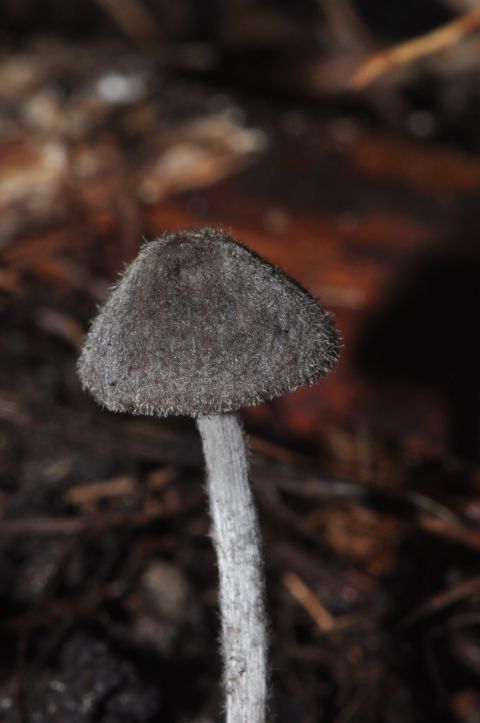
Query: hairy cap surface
200	325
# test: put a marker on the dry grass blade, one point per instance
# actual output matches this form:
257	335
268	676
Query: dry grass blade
437	40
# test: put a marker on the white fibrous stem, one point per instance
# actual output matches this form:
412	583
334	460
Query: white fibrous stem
237	542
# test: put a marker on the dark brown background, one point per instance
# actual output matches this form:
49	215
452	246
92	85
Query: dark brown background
242	114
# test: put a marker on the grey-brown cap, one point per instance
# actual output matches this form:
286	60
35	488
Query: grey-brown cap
198	324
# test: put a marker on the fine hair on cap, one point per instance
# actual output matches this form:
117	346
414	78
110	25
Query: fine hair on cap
200	325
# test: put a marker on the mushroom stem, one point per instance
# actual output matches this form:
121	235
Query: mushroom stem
237	542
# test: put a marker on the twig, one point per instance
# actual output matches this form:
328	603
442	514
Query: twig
133	18
56	610
458	532
326	622
61	325
73	525
102	489
356	706
405	53
309	601
444	599
42	526
345	25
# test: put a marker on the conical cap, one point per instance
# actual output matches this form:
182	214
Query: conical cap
200	325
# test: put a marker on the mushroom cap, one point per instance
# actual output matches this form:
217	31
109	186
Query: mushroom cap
198	324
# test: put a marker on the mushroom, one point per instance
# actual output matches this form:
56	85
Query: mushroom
201	326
